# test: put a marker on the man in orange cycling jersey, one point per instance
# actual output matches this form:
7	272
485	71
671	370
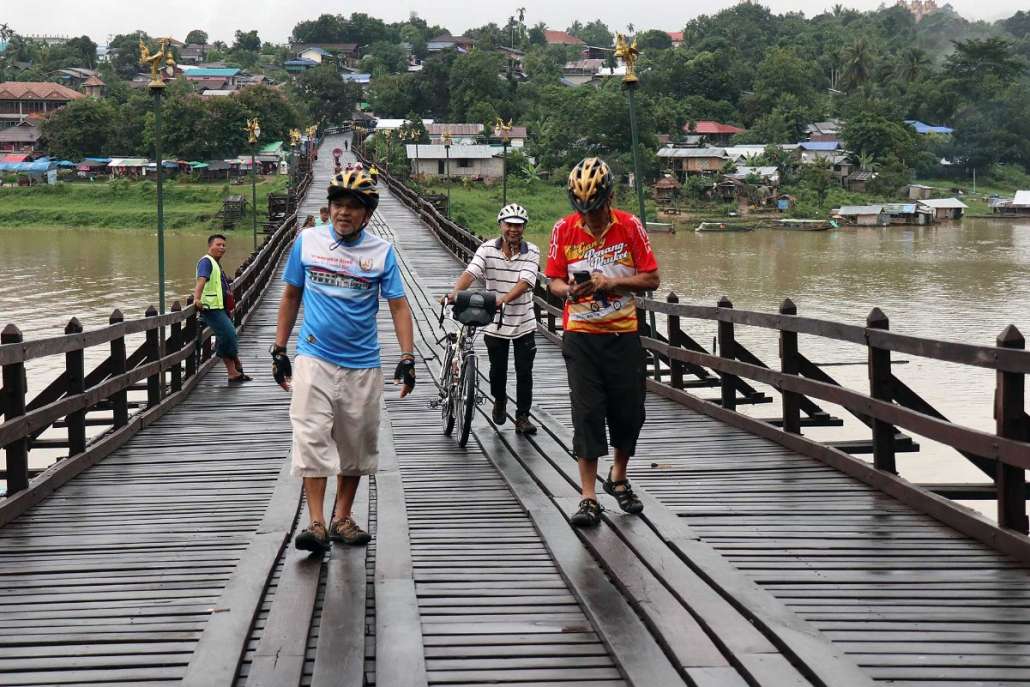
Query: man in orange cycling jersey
598	258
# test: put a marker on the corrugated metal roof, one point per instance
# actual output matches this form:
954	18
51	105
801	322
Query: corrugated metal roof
943	203
899	208
455	129
1021	198
860	210
692	152
431	151
820	145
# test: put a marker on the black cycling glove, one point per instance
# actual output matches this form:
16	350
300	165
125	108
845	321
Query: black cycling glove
405	373
281	367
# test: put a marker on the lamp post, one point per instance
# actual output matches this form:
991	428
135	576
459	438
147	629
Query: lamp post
253	134
447	150
157	86
628	53
294	142
505	130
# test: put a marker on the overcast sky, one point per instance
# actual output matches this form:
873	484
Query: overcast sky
274	19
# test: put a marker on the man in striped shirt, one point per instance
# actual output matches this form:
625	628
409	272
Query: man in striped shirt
508	267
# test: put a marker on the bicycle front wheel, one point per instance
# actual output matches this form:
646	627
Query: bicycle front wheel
466	399
447	393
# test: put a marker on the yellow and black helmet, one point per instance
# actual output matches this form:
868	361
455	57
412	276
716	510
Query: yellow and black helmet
590	184
355	182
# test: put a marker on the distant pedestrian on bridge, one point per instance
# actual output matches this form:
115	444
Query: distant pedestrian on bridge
214	303
508	267
323	216
597	258
338	272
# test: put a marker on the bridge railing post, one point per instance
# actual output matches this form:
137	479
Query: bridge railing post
174	346
13	397
789	364
727	349
191	338
881	388
75	372
154	386
120	399
1012	423
672	328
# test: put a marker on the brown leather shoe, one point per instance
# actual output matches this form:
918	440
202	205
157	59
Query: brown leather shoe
524	426
314	538
348	532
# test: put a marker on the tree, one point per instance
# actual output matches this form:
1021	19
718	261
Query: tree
653	40
859	62
82	51
196	37
327	97
594	33
275	112
328	28
384	57
913	63
538	34
392	95
988	60
474	82
80	128
125	58
880	138
247	41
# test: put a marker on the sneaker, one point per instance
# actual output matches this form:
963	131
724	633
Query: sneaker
500	414
588	515
313	538
623	493
348	532
523	425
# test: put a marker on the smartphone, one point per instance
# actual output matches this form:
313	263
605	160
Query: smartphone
581	276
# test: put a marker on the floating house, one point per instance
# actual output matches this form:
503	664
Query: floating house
944	208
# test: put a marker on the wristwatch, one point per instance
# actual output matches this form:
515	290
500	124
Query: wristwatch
273	349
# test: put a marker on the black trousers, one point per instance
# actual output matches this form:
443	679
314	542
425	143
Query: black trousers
606	380
525	352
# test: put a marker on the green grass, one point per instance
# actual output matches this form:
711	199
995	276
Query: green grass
475	206
124	204
1003	180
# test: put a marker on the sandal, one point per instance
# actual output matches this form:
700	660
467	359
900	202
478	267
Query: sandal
623	493
588	515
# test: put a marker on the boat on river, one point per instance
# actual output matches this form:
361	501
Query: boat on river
722	227
803	224
660	228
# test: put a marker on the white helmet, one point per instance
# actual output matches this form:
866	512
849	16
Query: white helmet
514	213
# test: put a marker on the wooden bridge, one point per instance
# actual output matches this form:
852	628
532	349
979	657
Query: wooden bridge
157	552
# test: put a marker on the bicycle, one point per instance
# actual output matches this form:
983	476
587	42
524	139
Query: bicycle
458	391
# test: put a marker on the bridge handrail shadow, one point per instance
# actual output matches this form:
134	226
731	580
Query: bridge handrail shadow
1003	456
166	366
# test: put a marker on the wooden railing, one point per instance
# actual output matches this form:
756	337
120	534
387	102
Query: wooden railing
175	350
680	365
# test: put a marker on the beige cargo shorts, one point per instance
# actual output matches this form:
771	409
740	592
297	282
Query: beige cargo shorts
335	416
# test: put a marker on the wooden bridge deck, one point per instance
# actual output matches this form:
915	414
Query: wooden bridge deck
752	565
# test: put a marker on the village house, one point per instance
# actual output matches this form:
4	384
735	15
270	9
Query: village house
461	134
19	138
684	162
1018	206
345	54
712	132
824	131
908	213
944	208
230	75
193	53
516	137
857	181
582	72
475	161
561	38
20	100
446	41
819	150
676	37
863	215
927	129
298	65
767	175
918	192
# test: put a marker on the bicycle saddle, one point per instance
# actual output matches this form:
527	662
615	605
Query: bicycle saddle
475	308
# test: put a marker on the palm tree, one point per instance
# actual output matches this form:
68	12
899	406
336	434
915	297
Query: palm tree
858	62
866	162
912	64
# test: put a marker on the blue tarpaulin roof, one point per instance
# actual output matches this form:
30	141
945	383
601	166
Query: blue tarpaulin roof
820	145
105	160
924	128
37	167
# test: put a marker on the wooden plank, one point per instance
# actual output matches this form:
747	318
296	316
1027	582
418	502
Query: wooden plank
340	656
400	660
221	644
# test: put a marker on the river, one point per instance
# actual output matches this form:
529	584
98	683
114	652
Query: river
962	282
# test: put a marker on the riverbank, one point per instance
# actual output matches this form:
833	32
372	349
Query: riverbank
125	204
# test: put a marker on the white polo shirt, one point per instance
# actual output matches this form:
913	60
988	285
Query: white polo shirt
500	274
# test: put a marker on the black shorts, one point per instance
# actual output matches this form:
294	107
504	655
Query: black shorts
606	379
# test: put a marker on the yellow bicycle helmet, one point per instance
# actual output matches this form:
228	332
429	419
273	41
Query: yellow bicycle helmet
590	184
355	182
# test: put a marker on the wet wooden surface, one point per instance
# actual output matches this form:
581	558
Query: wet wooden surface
751	565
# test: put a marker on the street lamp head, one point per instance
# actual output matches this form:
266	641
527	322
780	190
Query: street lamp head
628	53
294	136
447	139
